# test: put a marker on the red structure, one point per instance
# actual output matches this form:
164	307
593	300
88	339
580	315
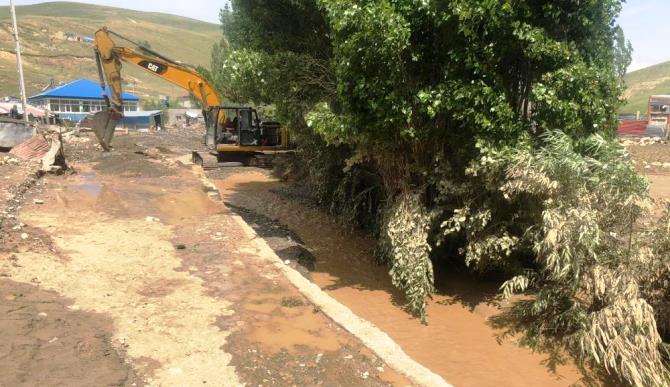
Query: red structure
632	128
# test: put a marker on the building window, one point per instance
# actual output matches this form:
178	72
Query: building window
130	106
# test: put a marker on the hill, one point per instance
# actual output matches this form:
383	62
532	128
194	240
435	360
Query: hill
52	42
643	83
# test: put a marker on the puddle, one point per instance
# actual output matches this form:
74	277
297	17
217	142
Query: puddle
291	329
89	183
458	343
121	196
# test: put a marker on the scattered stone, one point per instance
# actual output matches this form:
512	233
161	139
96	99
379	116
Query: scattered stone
291	302
175	371
180	246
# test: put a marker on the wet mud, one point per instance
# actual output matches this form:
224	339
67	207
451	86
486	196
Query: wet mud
459	342
277	337
181	292
46	342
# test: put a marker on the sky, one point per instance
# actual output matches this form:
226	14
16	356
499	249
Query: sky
644	21
645	24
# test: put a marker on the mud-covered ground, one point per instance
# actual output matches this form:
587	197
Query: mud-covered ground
652	159
125	272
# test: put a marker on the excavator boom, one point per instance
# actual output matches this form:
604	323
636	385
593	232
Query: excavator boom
109	57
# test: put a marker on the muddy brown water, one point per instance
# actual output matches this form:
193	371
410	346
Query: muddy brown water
458	343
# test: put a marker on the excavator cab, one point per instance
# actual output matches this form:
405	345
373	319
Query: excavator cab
242	131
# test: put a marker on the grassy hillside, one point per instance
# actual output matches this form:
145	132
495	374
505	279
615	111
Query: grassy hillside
49	55
643	83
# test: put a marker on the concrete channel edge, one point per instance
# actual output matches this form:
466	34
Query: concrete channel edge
369	334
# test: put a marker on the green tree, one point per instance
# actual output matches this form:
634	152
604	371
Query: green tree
482	124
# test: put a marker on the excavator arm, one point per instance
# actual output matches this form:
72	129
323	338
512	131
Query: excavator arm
109	57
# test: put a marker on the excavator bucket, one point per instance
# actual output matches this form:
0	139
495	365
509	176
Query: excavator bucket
103	124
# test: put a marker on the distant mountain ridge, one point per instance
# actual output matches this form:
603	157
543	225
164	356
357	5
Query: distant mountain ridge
55	42
642	83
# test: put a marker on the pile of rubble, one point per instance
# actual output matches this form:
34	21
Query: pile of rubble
643	141
9	160
46	149
18	176
656	164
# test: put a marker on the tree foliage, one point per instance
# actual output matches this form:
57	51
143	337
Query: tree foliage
482	124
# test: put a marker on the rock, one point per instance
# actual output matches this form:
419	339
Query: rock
152	219
175	371
666	165
38	201
24	236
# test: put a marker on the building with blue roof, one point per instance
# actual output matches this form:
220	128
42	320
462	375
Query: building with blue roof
75	100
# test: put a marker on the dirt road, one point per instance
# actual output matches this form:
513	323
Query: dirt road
126	273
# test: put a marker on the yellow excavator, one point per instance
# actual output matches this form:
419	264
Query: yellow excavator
230	130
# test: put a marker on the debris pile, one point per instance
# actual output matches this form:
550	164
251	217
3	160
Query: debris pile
48	150
643	141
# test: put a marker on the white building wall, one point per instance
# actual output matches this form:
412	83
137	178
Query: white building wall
69	105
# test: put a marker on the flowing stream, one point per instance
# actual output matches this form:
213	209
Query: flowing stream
459	342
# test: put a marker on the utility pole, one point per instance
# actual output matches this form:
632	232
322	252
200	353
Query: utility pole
19	65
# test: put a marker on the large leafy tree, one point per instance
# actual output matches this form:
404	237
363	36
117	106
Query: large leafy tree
482	124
